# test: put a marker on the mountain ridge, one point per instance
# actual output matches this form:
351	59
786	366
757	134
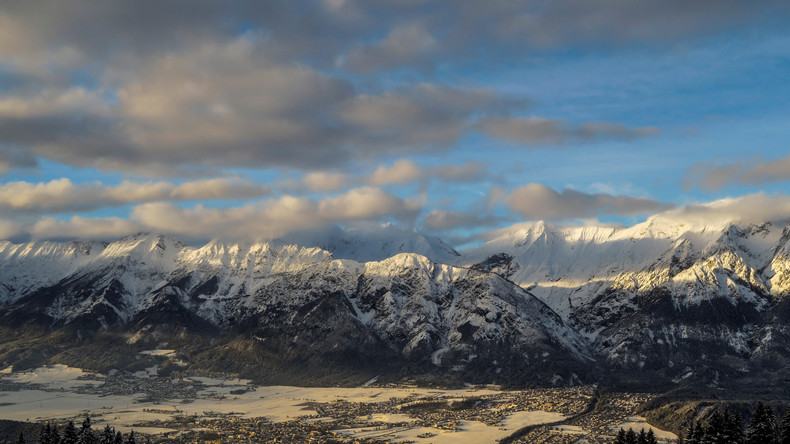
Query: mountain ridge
537	303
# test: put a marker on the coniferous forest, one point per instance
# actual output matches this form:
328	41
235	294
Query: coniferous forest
725	427
70	434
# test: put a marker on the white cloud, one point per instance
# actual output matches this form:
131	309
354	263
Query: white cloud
366	203
752	208
322	181
258	220
62	195
402	171
406	171
218	188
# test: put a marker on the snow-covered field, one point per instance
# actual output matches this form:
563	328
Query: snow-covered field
638	423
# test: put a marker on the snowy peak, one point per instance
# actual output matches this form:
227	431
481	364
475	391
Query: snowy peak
142	247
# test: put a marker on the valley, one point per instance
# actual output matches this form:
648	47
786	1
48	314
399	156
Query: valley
189	408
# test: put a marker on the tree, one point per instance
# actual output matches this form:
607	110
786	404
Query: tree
715	431
691	434
21	439
107	435
86	435
54	435
630	436
131	439
784	428
45	437
642	438
696	434
620	439
733	424
651	437
118	438
69	434
762	427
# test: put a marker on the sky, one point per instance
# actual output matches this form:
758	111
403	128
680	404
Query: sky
254	120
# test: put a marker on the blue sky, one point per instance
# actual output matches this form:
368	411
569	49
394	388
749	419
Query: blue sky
250	120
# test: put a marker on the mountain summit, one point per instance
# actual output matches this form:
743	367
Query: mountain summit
536	304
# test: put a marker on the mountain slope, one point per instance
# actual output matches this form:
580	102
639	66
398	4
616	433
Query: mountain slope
659	301
685	301
295	309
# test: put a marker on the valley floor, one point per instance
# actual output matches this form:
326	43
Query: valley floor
179	408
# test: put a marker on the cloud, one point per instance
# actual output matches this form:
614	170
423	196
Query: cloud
366	203
218	188
405	171
264	219
15	157
423	115
755	172
326	30
11	228
402	171
78	227
541	131
322	181
752	208
232	104
467	172
144	87
408	44
536	201
62	195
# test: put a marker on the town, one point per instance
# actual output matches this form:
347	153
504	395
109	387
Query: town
190	408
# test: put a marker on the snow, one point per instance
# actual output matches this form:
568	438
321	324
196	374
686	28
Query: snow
159	352
278	403
59	377
638	423
415	278
567	267
467	431
564	266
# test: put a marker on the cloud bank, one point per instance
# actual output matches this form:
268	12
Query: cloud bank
62	195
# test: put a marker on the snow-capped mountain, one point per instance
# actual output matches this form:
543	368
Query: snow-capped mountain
535	304
302	309
686	299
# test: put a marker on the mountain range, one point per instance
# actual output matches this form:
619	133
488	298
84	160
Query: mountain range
661	302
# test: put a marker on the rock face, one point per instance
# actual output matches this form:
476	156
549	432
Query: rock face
303	310
683	302
539	304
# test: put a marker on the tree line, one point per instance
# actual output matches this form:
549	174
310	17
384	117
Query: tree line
631	437
70	434
725	427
